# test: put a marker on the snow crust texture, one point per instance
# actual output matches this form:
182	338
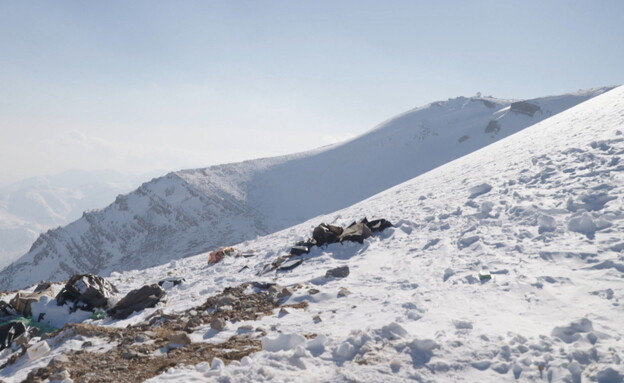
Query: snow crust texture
541	213
192	211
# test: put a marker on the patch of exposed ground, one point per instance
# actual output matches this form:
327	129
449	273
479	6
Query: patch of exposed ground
151	347
136	363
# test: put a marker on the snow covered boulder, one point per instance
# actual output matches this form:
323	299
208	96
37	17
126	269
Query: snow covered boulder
467	241
546	224
609	375
421	351
316	346
218	324
356	233
393	331
86	292
571	332
478	190
325	234
584	224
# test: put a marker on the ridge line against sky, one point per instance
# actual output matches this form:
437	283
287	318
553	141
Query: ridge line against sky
143	85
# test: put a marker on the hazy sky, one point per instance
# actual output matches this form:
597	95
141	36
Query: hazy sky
139	85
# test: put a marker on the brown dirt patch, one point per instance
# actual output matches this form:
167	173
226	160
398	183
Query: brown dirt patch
144	350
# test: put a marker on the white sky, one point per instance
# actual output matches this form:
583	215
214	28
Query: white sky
143	85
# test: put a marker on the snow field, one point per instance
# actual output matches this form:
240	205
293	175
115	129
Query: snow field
417	310
541	212
192	211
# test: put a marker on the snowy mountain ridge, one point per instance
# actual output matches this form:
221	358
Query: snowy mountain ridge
191	211
541	213
32	206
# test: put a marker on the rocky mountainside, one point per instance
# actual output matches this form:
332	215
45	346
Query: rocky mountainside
32	206
505	265
191	211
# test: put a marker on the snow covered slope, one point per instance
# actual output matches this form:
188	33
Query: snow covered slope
542	212
34	205
191	211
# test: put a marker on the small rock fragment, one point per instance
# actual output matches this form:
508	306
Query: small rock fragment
517	370
179	337
226	300
137	339
129	354
448	273
217	324
609	375
59	360
462	324
277	293
193	322
501	368
481	365
343	292
60	376
395	365
285	292
338	272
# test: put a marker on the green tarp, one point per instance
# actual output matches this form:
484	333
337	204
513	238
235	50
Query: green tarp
29	322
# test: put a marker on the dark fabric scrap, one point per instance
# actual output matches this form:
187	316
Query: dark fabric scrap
9	332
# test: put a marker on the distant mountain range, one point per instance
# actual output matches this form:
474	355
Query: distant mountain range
191	211
34	205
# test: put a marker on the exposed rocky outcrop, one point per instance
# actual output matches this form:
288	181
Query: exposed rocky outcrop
525	107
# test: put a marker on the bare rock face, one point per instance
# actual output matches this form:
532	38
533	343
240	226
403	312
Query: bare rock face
525	107
165	216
